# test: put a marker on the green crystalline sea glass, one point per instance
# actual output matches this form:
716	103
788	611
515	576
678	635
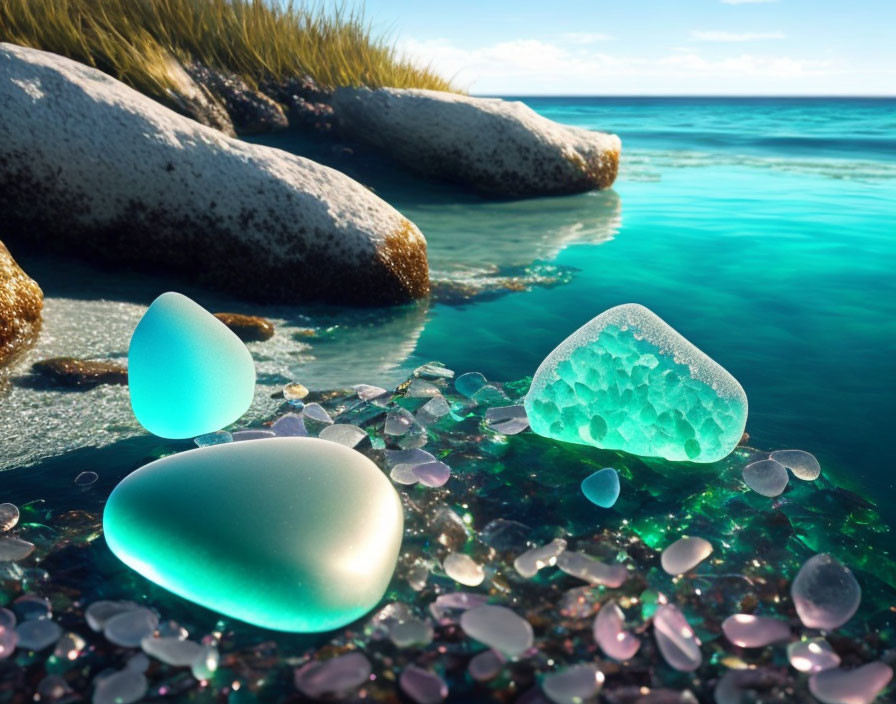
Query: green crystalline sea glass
627	381
188	374
293	534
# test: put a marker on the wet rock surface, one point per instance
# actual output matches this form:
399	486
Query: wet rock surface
80	373
249	328
21	302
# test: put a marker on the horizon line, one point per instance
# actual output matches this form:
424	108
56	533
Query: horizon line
820	96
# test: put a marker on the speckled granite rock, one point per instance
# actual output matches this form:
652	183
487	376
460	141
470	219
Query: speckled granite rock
198	102
498	147
92	168
250	111
249	328
21	302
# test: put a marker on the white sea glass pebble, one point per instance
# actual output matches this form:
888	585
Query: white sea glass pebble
464	569
38	634
803	464
486	665
812	655
9	516
573	685
173	651
130	627
343	433
123	687
422	686
677	641
859	686
12	549
749	631
333	678
685	554
99	612
508	420
825	593
610	634
766	477
585	567
498	627
535	559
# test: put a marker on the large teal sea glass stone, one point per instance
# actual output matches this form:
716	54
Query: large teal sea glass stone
188	374
293	534
627	381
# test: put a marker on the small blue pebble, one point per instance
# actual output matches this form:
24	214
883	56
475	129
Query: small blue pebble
602	487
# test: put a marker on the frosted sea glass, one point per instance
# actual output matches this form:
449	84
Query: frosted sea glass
685	554
627	381
859	686
610	634
293	534
188	374
750	631
573	685
499	628
677	641
825	593
602	487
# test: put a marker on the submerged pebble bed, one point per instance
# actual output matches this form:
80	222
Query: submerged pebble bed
699	583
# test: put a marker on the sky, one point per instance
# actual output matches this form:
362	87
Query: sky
650	47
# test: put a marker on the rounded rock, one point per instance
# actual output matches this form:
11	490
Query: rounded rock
326	530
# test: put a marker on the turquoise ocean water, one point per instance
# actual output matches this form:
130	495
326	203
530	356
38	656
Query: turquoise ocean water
764	230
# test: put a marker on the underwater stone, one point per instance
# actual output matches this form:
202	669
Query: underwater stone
130	627
859	686
749	631
123	687
766	477
508	420
825	593
627	381
12	549
326	530
533	560
333	678
602	487
9	516
38	634
344	434
802	464
172	651
469	383
583	566
677	641
187	373
498	627
610	634
812	655
684	555
573	685
462	568
422	686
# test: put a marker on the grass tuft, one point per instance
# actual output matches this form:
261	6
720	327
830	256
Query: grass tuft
141	42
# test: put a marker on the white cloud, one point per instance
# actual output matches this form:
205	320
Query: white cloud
531	66
717	36
587	37
746	2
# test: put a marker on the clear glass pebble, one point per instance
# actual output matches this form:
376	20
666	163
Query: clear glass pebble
86	478
486	665
294	391
206	663
252	434
415	438
343	433
610	634
172	629
418	574
422	686
677	641
859	686
574	685
316	412
333	678
469	383
99	612
172	651
490	395
432	410
216	438
410	632
12	549
434	370
9	516
684	555
749	631
766	477
498	627
803	464
404	474
585	567
464	569
9	639
507	420
124	687
535	559
290	425
398	422
419	388
432	474
366	392
825	593
130	627
38	634
460	600
602	487
812	655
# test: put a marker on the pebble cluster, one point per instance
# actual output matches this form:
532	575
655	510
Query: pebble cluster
522	577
